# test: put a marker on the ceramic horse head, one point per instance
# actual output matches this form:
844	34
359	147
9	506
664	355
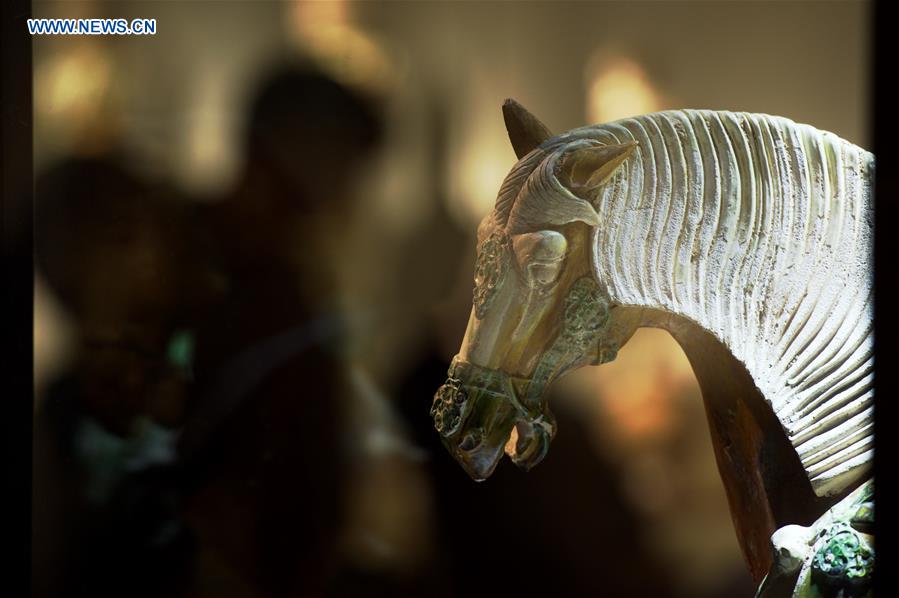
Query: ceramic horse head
747	237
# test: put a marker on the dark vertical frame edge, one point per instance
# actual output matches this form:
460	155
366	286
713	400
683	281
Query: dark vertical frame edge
881	126
17	292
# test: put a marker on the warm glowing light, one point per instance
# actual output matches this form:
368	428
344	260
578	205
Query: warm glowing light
210	161
72	97
324	31
482	168
618	88
512	442
481	154
306	15
76	86
638	389
53	334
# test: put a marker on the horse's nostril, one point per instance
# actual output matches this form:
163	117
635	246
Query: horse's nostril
470	441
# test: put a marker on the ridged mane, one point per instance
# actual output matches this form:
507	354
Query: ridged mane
758	229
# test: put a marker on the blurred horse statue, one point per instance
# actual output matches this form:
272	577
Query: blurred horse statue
748	238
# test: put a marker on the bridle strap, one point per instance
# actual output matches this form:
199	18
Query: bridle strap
498	383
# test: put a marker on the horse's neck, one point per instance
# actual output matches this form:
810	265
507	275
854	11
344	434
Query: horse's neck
757	230
764	480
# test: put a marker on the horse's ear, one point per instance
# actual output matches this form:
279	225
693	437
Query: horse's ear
525	131
585	169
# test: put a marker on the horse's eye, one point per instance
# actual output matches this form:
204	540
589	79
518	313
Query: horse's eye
540	255
541	246
543	274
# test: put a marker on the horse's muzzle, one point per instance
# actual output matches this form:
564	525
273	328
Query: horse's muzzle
475	411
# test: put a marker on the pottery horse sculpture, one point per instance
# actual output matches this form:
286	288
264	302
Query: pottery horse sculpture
748	238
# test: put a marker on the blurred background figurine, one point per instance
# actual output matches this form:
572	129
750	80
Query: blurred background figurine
262	441
118	252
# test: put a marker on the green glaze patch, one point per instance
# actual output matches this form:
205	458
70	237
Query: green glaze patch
843	565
